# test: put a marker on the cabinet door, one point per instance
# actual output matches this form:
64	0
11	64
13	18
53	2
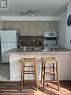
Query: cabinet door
24	29
53	25
37	29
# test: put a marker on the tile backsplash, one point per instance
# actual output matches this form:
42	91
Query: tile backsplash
30	41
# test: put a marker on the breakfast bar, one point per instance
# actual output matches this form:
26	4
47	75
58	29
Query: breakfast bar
62	55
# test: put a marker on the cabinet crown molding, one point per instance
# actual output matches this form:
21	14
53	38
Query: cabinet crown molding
21	18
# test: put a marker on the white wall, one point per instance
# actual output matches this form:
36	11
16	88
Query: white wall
64	30
68	29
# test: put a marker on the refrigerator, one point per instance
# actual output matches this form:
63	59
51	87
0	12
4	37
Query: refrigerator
8	41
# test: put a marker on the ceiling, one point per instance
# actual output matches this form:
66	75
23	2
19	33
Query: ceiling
46	7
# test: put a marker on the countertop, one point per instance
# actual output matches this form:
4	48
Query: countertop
22	50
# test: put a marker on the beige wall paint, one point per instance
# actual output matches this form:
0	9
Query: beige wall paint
31	28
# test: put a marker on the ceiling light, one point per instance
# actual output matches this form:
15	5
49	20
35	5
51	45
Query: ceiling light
29	13
3	3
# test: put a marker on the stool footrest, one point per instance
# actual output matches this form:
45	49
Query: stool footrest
28	66
50	72
29	73
50	67
52	81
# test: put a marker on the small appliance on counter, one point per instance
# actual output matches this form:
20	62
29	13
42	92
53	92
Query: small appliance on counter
50	40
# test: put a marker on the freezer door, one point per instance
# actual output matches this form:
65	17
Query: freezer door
8	36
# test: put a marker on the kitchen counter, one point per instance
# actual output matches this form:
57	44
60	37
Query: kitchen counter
62	55
21	50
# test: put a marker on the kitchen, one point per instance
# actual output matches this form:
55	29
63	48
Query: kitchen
34	27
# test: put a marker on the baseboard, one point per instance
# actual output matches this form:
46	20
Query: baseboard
4	63
65	80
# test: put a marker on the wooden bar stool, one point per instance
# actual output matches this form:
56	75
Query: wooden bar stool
49	68
26	64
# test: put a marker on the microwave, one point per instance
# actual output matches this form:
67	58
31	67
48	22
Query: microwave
50	34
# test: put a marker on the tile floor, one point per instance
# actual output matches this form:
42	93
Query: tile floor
4	72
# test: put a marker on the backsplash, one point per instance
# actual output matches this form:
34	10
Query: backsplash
30	41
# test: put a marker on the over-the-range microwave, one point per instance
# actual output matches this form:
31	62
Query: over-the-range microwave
50	34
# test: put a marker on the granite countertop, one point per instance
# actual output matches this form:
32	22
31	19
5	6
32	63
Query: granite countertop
22	50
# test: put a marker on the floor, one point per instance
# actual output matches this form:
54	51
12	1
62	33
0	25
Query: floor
4	72
13	88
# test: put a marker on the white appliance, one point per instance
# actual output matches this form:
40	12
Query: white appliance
8	41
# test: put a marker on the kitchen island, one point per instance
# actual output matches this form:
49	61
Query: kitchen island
62	55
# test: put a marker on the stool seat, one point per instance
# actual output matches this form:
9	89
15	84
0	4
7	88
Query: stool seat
49	68
28	60
26	64
49	60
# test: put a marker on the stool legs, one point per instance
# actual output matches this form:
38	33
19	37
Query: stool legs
43	73
35	69
57	75
53	72
33	72
21	77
